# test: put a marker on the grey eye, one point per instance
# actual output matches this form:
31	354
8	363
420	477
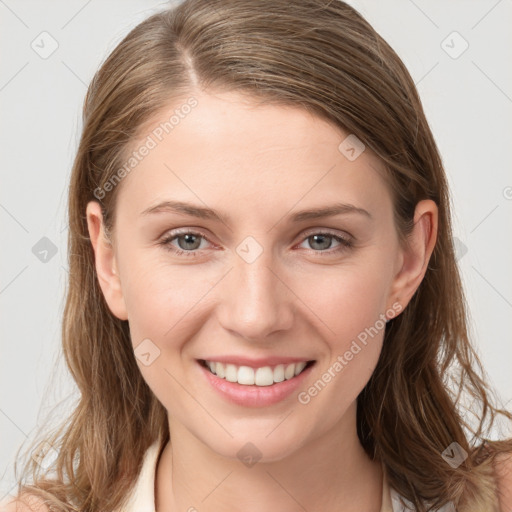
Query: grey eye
190	241
320	241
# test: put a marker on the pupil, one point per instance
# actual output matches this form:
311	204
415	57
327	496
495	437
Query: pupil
324	245
189	239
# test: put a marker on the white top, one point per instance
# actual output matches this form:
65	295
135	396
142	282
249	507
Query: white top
142	497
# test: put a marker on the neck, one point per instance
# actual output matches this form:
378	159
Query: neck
330	473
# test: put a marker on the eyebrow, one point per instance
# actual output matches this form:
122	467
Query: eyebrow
207	213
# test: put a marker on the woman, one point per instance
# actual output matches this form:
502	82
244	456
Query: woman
264	302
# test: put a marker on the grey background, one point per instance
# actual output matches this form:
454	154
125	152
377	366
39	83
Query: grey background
467	99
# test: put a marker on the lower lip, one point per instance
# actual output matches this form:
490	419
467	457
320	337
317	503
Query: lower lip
255	396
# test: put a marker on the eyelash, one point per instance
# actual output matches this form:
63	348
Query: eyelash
345	243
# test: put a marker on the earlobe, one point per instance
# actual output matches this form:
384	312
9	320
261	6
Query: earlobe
416	255
105	262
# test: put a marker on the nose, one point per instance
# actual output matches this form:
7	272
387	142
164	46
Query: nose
256	300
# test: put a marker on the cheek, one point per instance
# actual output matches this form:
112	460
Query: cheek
351	308
164	303
346	299
162	300
349	303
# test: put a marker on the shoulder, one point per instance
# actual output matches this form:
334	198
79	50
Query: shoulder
503	472
28	503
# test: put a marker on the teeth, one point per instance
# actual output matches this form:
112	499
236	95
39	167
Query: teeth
299	367
245	375
231	373
289	371
279	373
265	376
219	370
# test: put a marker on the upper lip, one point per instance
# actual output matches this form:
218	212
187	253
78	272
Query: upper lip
256	362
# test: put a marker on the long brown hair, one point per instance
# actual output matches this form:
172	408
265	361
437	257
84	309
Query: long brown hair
322	56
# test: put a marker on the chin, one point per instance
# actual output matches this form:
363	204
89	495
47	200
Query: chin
263	444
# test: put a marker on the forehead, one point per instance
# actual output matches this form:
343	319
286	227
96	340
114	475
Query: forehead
246	154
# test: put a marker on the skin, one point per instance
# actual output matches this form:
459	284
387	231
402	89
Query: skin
258	164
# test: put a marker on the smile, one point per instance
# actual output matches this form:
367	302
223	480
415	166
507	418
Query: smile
263	376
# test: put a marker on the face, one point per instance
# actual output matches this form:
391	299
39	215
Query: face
254	281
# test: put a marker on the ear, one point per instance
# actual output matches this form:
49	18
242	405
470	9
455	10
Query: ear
416	254
105	261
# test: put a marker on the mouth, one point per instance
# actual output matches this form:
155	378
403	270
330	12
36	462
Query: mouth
263	376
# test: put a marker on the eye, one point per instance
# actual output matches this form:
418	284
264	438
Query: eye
187	242
321	241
